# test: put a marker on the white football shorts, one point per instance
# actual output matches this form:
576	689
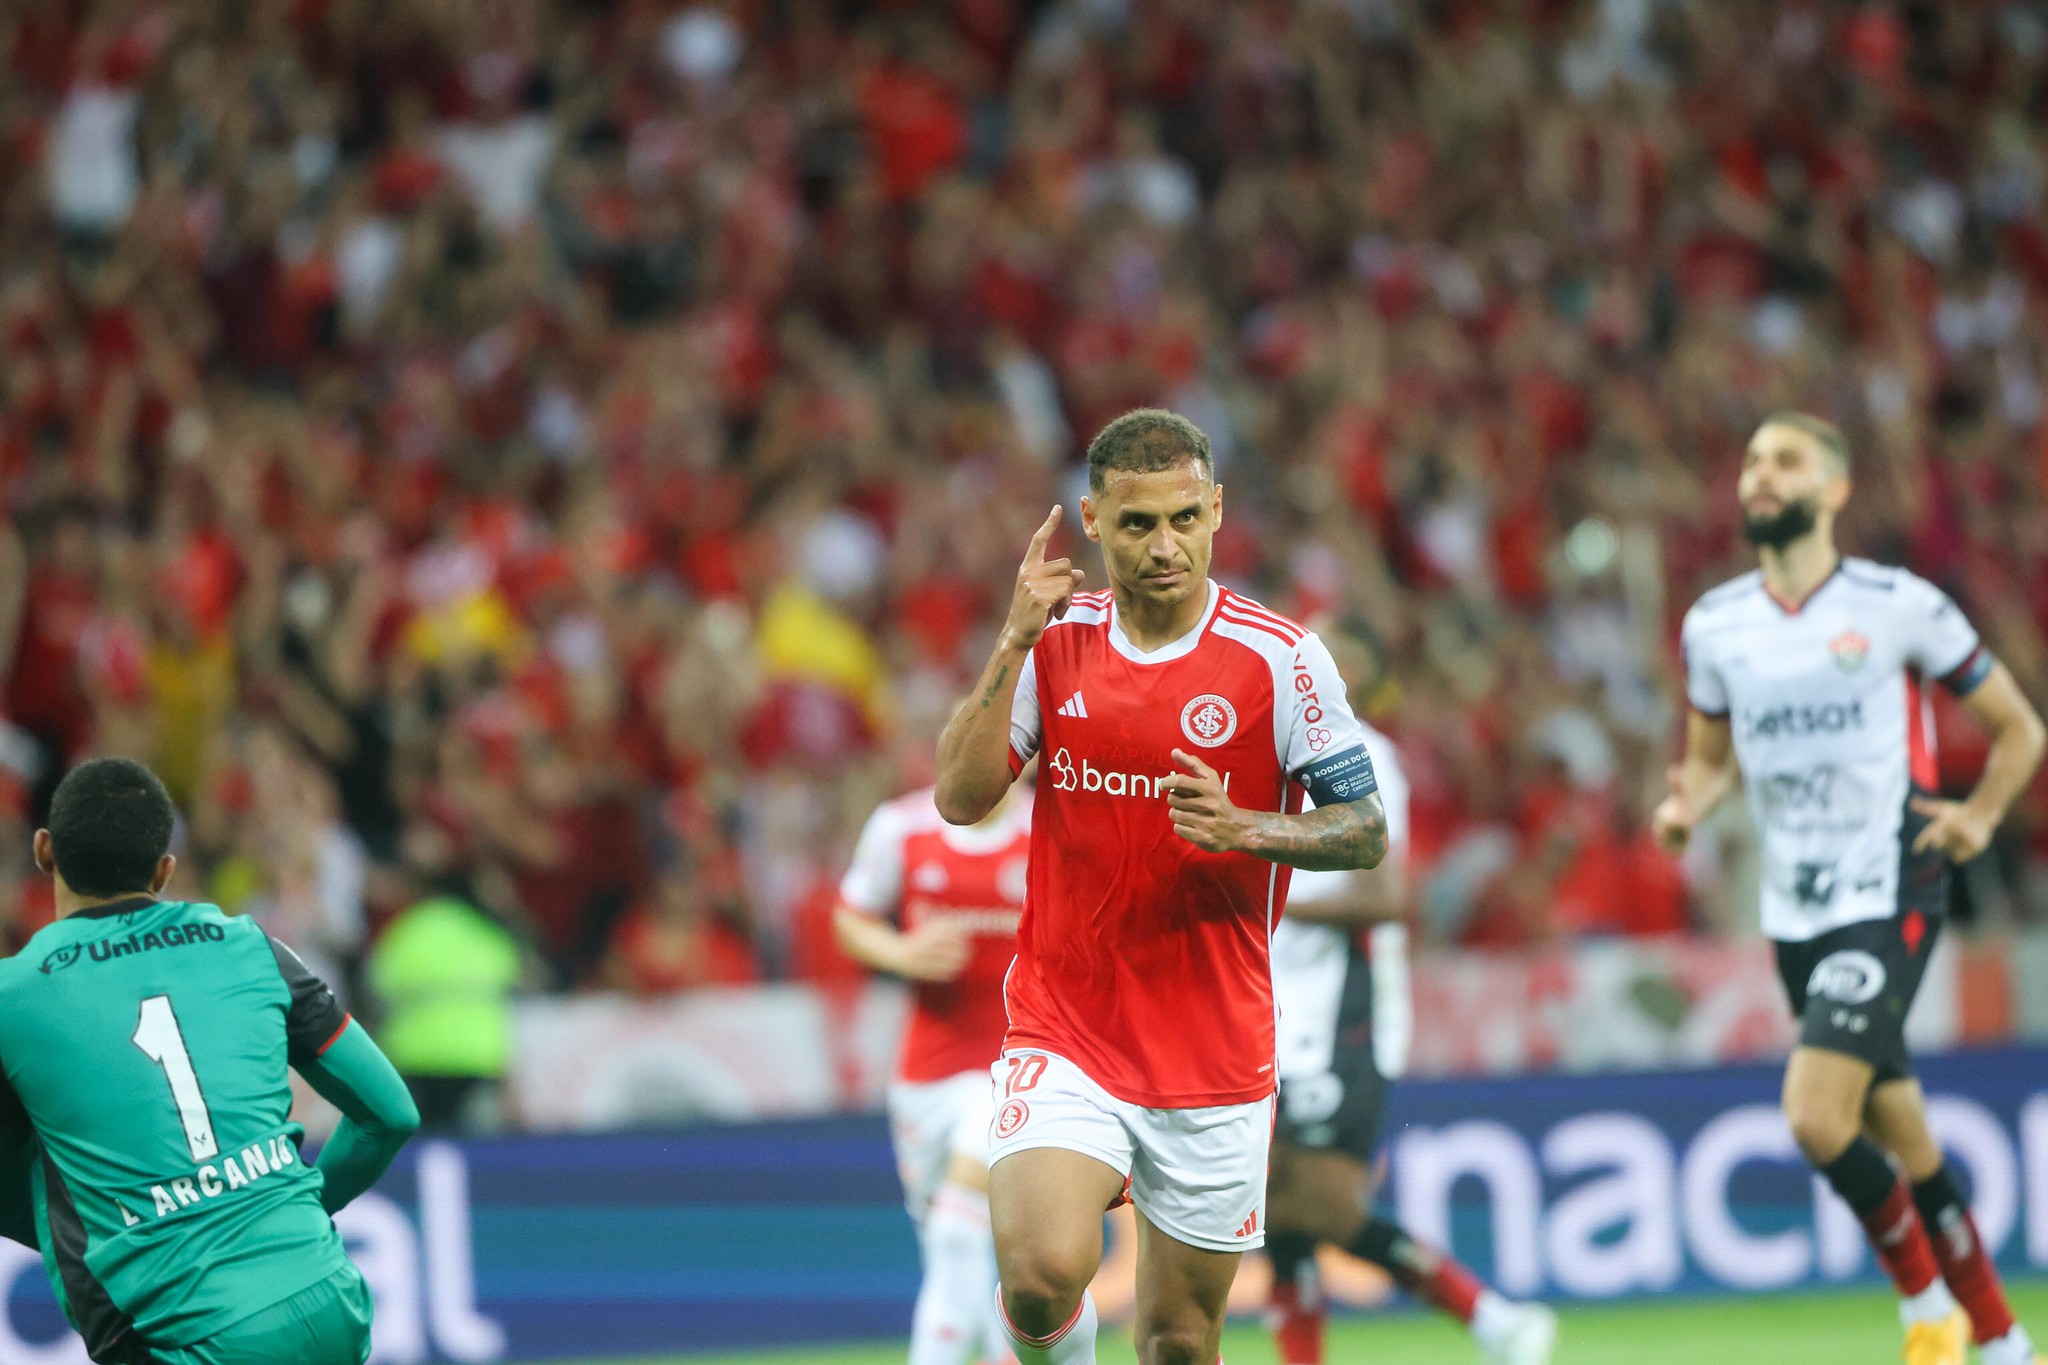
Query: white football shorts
930	1123
1199	1175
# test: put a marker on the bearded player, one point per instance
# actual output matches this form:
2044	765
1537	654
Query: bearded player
938	906
1804	679
1179	725
1340	972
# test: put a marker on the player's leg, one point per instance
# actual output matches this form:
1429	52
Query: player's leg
1059	1156
1850	989
1824	1096
1312	1196
956	1301
1182	1292
1046	1205
1198	1179
922	1117
955	1320
1331	1193
1322	1188
1896	1118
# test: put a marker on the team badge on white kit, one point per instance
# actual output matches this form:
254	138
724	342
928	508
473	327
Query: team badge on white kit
1208	720
1850	649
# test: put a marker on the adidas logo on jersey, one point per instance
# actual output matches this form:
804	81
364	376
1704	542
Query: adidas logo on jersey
1075	707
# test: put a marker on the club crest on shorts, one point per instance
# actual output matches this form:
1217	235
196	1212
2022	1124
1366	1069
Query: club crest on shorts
1208	720
1850	649
1013	1115
1850	976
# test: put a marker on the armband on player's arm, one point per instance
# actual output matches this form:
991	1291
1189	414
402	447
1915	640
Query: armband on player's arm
378	1114
1341	777
1346	830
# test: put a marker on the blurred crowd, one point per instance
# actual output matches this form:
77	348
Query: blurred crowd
564	457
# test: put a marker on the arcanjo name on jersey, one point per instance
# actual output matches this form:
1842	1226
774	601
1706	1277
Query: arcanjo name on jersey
107	949
213	1180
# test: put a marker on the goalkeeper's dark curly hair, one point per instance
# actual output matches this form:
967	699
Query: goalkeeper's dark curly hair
110	824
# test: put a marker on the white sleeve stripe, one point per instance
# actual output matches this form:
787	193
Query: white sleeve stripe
1254	623
1244	609
1279	657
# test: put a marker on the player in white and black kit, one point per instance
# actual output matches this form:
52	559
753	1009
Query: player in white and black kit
1346	1018
1805	683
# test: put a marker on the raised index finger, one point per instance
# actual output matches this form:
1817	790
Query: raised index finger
1039	540
1192	764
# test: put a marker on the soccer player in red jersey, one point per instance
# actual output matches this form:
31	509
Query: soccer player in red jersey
938	906
1179	725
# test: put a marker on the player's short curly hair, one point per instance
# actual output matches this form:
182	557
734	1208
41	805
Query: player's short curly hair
1832	443
110	823
1145	441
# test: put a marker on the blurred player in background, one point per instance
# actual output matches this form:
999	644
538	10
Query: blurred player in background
938	905
1804	679
143	1053
1346	1018
1179	725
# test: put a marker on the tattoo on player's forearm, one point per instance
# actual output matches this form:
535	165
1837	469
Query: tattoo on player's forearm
995	685
1335	838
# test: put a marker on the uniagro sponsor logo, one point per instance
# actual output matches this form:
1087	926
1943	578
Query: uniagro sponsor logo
62	958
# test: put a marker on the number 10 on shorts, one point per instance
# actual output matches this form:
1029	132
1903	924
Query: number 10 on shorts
1025	1072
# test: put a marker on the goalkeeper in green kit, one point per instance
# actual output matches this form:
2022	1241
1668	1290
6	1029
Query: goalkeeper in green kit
145	1140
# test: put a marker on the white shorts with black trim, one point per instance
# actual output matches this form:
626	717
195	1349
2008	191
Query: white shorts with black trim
1199	1175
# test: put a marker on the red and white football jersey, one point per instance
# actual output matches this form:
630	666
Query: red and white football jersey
1142	959
914	866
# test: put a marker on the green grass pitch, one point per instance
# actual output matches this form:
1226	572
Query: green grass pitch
1807	1329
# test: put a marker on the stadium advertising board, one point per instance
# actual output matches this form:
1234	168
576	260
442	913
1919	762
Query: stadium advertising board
600	1063
1563	1186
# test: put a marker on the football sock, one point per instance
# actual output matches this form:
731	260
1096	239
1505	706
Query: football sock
1429	1275
2014	1348
1881	1201
1932	1304
1296	1314
1073	1344
1493	1319
1960	1253
951	1320
1293	1258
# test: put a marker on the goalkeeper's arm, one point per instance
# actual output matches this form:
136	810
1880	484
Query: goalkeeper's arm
378	1114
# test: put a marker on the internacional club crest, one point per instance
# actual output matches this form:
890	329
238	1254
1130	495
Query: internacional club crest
1208	720
1850	649
1013	1116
